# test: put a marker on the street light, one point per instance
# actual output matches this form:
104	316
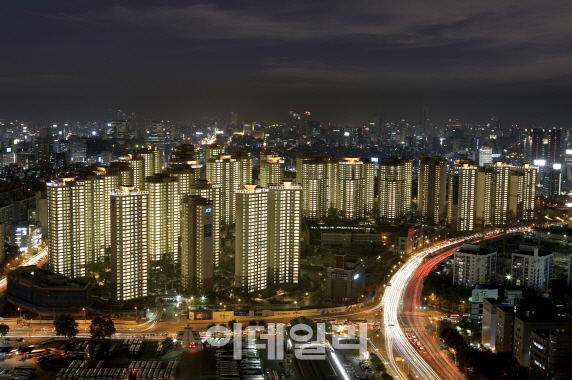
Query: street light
20	310
136	314
84	319
296	303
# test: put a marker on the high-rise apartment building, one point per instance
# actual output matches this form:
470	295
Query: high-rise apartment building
197	243
129	243
271	170
532	268
495	202
94	217
525	178
432	190
230	171
542	144
111	180
152	157
474	265
66	227
313	173
163	215
251	244
156	134
333	174
212	193
137	166
213	151
284	211
351	186
395	176
462	193
187	173
222	171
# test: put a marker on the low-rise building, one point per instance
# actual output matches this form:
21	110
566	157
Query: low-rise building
504	328
345	279
550	353
474	265
532	267
46	294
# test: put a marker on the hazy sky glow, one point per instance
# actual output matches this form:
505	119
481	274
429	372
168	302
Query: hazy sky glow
343	61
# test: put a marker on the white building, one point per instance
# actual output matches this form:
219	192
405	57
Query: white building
532	268
251	244
284	233
66	227
485	156
212	192
129	243
164	218
395	176
271	170
474	265
462	193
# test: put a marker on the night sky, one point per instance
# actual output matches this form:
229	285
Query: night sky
343	61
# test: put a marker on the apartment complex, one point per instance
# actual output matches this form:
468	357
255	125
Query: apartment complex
532	268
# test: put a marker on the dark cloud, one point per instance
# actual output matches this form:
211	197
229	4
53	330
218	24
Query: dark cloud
346	60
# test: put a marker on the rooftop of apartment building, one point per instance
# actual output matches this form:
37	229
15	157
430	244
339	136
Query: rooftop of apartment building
529	250
475	249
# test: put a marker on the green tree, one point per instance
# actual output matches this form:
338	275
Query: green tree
4	330
102	328
262	323
66	326
231	323
253	323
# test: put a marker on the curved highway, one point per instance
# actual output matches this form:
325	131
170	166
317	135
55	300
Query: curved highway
397	344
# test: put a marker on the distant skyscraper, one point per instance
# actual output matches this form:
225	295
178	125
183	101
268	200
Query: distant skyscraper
395	188
77	151
212	193
462	193
164	218
432	190
542	144
251	244
129	243
156	134
485	156
271	170
66	227
197	243
284	233
247	128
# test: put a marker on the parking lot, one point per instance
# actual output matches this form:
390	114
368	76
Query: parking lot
193	363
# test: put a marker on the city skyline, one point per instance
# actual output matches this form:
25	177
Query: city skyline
65	60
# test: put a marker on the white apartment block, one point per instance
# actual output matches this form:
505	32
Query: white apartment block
129	243
532	268
474	265
251	244
284	233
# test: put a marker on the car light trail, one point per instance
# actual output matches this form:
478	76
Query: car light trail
396	341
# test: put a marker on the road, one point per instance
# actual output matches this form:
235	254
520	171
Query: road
417	318
396	342
38	259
